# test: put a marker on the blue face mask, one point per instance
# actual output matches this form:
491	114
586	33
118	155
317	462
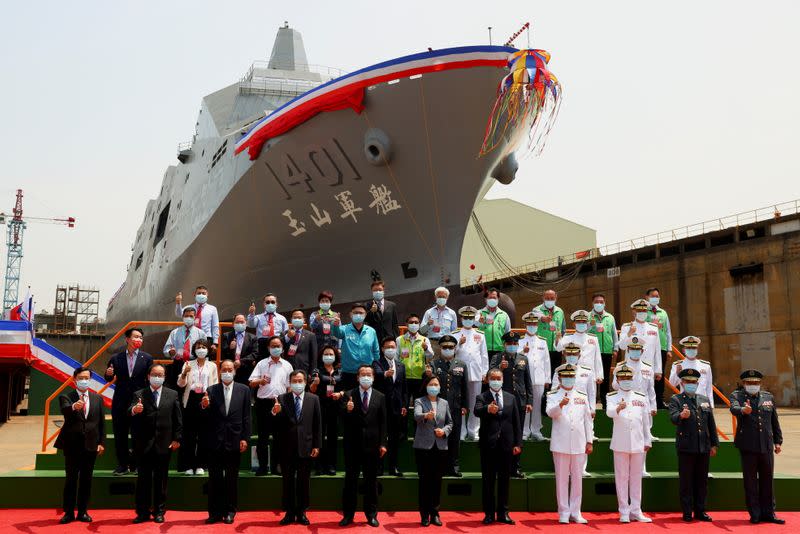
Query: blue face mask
365	381
156	381
298	387
441	301
239	327
635	355
270	308
492	303
377	295
467	323
297	323
599	307
328	358
581	327
572	360
690	353
448	353
432	390
82	384
690	387
549	304
358	318
201	299
654	301
495	385
275	352
390	354
625	385
512	349
324	306
568	382
532	328
413	327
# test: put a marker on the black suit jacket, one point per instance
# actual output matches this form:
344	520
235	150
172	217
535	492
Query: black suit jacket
248	356
364	432
698	433
305	357
396	391
299	437
127	384
156	427
384	322
503	429
81	433
224	431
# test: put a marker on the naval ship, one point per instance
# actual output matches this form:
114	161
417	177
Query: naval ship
378	177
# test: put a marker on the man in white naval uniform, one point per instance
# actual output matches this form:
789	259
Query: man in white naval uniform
471	349
705	385
570	442
535	348
630	440
642	382
590	348
647	333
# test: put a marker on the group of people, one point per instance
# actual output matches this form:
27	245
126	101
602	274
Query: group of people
306	377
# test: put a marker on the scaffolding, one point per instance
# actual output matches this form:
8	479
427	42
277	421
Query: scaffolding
76	309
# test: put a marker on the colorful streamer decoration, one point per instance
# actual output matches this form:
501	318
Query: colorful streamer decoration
527	104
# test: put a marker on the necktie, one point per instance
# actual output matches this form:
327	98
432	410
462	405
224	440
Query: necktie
271	327
497	399
187	345
155	397
394	368
297	408
365	402
130	364
239	345
198	320
85	399
227	399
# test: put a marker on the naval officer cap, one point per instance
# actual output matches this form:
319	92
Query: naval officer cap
635	343
532	317
572	348
580	315
751	375
447	341
566	370
690	375
639	305
690	342
510	337
623	371
467	312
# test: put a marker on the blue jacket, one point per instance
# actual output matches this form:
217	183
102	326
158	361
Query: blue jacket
358	348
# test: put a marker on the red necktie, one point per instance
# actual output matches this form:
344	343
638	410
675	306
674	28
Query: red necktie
271	322
187	346
85	399
198	320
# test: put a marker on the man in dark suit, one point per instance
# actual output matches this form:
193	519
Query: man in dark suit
364	417
157	426
382	313
240	347
696	441
300	344
300	429
390	379
227	433
129	367
81	439
500	437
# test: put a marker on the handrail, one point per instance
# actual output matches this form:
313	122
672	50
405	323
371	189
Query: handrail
45	439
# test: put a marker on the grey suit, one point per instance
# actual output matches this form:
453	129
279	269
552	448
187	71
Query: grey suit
431	453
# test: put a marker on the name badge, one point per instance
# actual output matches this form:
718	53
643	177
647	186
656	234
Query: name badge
489	320
404	353
477	338
292	349
329	390
579	400
326	328
600	328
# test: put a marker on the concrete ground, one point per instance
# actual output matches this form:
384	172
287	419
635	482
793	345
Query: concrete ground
21	439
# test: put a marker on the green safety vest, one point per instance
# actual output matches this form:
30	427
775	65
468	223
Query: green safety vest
415	360
494	332
544	328
605	339
661	318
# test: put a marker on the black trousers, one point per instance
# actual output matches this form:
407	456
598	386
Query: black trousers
430	469
79	467
521	410
151	483
693	476
454	441
267	426
414	386
496	466
757	470
121	425
192	454
605	385
223	482
357	460
395	429
659	384
296	474
330	434
555	361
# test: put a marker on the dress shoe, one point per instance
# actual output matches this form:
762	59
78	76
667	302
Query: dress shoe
373	522
228	519
702	516
158	518
262	472
330	472
488	520
687	518
641	518
84	518
456	473
425	521
141	519
505	518
518	474
624	519
395	472
436	520
120	470
288	519
755	520
579	519
213	519
774	520
303	519
346	520
563	519
67	518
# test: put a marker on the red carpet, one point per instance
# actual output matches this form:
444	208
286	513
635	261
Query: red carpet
34	521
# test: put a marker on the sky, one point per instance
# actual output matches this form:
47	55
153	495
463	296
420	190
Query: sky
673	112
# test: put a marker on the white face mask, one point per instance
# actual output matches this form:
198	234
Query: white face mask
641	316
581	327
328	358
227	377
532	328
390	353
188	321
82	384
752	389
201	353
690	353
441	301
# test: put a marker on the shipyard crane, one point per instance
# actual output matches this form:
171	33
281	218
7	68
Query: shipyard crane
16	229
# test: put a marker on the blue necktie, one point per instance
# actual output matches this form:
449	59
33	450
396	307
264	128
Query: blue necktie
155	397
365	402
297	408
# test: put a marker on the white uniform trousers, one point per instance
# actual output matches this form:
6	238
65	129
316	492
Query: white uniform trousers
628	478
569	483
473	423
533	420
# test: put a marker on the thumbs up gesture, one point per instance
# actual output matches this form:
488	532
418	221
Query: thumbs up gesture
564	401
504	363
685	412
78	406
429	416
621	406
179	298
747	410
139	408
205	401
337	320
276	408
493	408
462	340
350	404
110	370
252	309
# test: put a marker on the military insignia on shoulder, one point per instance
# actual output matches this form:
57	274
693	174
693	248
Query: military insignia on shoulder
610	393
639	393
521	363
705	362
552	391
646	364
585	367
580	392
457	330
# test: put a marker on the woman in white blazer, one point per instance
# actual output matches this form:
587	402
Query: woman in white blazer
195	378
434	424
